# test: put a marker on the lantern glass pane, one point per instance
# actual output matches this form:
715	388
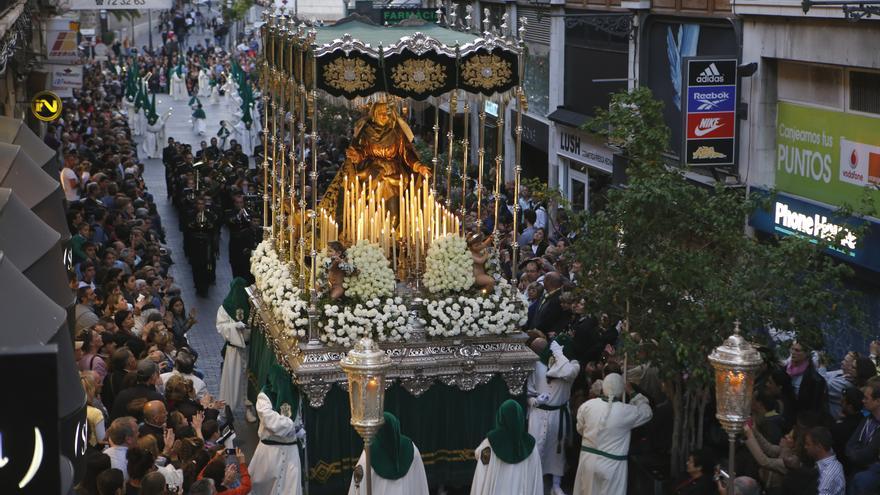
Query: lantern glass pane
354	397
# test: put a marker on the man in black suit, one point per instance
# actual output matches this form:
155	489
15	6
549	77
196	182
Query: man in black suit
550	318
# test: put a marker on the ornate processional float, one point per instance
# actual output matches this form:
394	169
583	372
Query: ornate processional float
382	252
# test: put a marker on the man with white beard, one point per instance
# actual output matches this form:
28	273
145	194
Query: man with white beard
605	424
549	388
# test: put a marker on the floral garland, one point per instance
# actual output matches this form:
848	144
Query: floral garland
373	277
476	315
449	266
385	320
275	283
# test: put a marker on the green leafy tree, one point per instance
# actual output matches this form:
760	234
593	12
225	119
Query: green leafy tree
672	259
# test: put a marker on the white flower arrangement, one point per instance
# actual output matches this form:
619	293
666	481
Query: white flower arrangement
476	315
373	277
385	320
449	266
278	291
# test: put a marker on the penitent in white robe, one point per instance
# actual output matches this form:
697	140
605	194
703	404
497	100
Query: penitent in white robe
415	482
199	126
150	146
544	425
215	94
204	84
232	378
131	115
244	138
178	87
275	469
501	478
597	474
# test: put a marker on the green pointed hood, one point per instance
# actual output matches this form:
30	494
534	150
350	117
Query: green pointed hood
279	388
237	300
392	452
510	440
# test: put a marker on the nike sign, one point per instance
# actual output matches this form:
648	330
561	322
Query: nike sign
702	131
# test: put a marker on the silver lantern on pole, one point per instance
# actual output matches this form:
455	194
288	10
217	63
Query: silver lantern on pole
365	366
736	363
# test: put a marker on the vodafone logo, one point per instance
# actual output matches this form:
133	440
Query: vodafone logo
853	160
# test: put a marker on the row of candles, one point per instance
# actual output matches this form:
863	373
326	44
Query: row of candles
367	215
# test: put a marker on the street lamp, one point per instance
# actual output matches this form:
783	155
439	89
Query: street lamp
736	363
365	366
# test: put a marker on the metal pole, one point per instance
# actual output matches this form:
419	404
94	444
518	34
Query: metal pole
481	151
450	138
435	160
731	452
150	28
464	161
368	466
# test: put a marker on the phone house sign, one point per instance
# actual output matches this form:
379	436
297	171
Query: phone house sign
852	239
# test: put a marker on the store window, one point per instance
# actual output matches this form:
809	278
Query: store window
595	67
864	91
812	84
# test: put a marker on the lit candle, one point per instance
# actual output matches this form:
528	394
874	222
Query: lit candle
393	252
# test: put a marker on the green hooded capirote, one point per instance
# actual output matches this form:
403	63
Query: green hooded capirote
510	440
278	387
391	452
237	299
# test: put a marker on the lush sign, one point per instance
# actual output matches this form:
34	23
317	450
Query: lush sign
825	155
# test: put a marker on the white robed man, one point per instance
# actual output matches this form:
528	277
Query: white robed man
397	467
178	84
549	388
198	120
154	132
605	423
507	460
204	83
245	137
275	467
232	316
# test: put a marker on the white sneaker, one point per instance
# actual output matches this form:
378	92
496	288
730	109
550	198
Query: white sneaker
556	490
249	415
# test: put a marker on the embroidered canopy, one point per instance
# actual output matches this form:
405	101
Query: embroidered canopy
355	58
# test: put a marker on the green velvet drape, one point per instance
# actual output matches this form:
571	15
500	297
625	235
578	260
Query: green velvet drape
445	423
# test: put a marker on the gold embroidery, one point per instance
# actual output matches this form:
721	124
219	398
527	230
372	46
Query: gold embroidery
418	76
349	74
486	71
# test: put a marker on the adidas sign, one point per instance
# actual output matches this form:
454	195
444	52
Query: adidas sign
710	75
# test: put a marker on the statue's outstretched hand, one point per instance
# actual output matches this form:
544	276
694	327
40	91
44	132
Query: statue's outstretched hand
352	154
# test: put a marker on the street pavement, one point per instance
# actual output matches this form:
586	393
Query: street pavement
203	337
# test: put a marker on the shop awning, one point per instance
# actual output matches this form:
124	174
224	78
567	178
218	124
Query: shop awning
34	247
14	131
37	190
568	117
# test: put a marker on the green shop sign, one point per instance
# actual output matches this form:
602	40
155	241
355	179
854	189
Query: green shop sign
825	155
393	16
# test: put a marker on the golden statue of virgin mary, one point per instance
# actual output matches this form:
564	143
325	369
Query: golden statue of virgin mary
381	148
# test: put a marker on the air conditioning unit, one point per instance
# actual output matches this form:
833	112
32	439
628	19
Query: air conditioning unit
636	4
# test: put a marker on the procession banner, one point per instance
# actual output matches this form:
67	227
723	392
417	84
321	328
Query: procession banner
827	156
119	4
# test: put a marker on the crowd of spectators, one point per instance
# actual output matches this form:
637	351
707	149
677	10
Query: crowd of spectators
153	428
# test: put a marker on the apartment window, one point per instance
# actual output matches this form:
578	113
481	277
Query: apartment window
812	84
864	91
